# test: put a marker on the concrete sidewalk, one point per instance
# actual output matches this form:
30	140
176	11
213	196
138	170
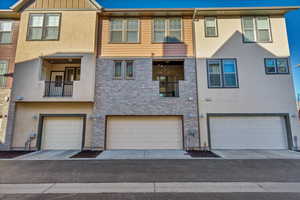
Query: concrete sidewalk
191	187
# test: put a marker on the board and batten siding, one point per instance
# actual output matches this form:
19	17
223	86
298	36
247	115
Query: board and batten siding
62	4
145	47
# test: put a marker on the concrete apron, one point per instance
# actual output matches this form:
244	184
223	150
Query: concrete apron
190	187
162	154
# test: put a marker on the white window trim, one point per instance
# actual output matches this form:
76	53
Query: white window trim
216	26
255	30
276	66
11	31
167	29
124	30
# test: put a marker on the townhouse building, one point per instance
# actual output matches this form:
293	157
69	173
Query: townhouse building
88	77
9	26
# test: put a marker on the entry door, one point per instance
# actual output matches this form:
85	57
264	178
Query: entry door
57	83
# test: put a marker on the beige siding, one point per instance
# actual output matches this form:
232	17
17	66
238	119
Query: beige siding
257	92
77	35
146	48
61	4
25	124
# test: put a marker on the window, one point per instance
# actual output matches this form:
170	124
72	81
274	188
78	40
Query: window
5	32
118	70
44	27
256	29
211	27
167	30
129	70
3	72
277	66
222	73
124	30
72	74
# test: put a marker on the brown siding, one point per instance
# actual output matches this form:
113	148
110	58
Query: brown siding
61	4
8	51
145	48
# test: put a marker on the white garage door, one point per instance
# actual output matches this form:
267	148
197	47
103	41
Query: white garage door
248	133
62	133
144	133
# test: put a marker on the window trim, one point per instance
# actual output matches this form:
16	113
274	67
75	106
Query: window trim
276	66
43	27
256	30
7	71
11	32
124	30
221	60
167	30
217	27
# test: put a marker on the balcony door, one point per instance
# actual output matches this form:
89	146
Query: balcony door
57	83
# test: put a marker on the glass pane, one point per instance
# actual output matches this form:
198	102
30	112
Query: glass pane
210	22
116	24
270	69
53	20
159	36
132	36
3	68
248	23
51	33
175	23
214	67
263	35
132	24
262	22
215	80
230	80
70	74
175	36
37	20
5	37
118	69
210	31
35	33
229	66
270	62
78	71
249	35
129	69
116	36
5	26
282	65
159	24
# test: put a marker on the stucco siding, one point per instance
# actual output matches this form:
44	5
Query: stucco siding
77	35
26	123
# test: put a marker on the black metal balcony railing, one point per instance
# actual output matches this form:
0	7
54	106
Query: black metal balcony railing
58	88
169	89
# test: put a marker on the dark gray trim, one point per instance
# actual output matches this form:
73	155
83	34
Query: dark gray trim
286	117
110	116
41	124
217	27
276	66
222	73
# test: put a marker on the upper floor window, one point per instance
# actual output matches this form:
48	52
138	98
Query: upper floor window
277	66
124	30
44	26
3	72
167	29
256	29
211	27
5	32
222	73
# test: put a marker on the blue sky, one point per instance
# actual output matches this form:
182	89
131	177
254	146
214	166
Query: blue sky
293	18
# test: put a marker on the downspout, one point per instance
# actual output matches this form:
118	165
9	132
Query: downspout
196	73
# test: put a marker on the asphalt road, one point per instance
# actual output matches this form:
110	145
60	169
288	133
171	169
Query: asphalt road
166	196
80	171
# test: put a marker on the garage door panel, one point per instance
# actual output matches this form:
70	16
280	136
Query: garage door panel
248	133
144	133
62	133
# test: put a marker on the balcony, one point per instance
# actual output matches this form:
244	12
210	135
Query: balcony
59	88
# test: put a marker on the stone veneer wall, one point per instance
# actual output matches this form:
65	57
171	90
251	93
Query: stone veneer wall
141	97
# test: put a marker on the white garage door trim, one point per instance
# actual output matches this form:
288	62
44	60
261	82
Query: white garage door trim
41	127
130	132
284	116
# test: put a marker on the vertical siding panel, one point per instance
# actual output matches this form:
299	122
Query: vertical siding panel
75	4
69	3
81	4
51	4
63	3
45	3
38	4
